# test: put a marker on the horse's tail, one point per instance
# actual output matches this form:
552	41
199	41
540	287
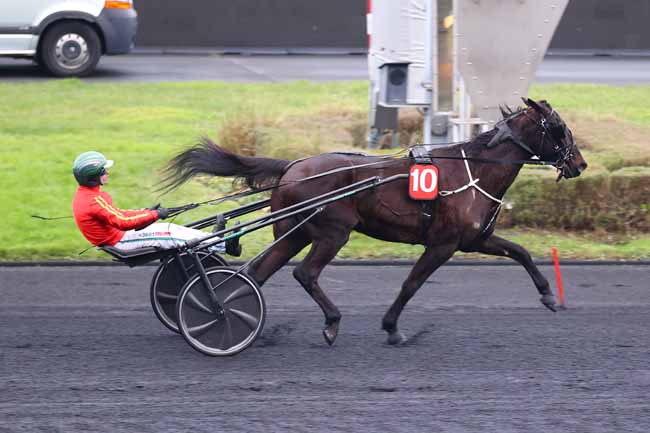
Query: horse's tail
206	157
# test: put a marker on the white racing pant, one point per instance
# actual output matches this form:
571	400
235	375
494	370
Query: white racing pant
163	235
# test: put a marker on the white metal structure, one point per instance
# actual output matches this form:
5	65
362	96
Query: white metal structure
497	47
400	32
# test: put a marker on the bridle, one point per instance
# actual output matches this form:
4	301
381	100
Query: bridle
555	133
563	152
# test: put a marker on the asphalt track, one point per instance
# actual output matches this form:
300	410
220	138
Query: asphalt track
198	66
81	351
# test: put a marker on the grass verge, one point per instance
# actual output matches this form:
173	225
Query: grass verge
43	126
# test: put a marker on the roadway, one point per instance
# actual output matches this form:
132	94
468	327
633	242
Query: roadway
197	66
81	351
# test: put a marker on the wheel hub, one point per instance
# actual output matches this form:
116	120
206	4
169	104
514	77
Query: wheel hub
71	51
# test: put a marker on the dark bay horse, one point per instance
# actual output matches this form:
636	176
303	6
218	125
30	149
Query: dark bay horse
460	221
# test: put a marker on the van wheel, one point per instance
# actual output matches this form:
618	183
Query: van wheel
70	49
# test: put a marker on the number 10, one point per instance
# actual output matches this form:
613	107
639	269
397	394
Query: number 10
425	182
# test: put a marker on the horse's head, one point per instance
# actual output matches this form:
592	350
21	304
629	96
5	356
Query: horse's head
546	134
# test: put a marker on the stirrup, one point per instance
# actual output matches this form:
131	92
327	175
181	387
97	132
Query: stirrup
233	247
220	223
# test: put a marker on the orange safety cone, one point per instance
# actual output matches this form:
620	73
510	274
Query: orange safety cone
558	278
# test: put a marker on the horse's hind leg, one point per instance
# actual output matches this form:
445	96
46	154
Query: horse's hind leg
278	256
322	252
497	246
432	259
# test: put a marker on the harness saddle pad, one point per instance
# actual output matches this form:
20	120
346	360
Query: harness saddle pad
422	153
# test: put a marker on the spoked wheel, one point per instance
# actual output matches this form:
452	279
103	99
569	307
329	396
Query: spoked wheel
168	281
217	332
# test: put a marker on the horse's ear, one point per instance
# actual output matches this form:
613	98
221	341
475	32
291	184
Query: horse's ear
532	104
504	113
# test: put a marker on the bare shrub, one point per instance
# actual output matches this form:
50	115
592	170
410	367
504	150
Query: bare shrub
243	134
358	132
616	202
409	121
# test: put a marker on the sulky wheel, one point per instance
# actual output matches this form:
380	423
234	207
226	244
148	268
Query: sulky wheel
217	332
168	281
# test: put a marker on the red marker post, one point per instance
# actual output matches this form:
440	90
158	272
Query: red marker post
558	278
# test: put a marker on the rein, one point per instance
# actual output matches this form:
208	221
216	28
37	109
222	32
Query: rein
387	159
503	134
495	161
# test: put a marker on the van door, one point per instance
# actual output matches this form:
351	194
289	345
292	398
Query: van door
23	13
17	18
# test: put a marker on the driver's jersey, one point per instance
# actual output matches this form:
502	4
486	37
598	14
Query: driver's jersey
102	223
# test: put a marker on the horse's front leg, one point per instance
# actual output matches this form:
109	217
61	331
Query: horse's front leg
496	246
428	262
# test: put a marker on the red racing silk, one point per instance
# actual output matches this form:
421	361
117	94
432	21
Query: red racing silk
102	223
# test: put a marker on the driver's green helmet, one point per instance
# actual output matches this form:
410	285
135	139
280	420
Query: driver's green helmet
89	166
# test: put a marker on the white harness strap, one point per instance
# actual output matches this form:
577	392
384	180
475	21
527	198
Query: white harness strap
472	183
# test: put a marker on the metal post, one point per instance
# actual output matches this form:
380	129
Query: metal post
461	109
455	73
462	103
467	115
433	40
428	65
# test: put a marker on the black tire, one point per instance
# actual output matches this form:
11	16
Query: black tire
70	49
215	334
168	281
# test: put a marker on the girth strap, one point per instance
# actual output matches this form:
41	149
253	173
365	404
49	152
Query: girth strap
422	155
426	218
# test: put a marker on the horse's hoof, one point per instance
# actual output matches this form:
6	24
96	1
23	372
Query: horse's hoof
330	332
396	338
549	302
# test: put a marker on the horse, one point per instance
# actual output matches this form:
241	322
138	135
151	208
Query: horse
475	174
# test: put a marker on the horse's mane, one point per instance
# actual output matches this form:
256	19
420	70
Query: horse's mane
484	138
481	141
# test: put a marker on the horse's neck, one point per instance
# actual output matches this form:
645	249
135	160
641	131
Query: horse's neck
497	178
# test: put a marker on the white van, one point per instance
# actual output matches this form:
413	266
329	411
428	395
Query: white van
66	37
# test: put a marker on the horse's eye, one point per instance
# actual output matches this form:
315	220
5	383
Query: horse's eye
557	131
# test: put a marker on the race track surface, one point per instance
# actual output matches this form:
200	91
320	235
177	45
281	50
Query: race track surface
81	351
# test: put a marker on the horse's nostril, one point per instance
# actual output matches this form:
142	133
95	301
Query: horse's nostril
582	166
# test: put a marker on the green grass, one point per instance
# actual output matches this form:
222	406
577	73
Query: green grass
538	242
627	103
43	126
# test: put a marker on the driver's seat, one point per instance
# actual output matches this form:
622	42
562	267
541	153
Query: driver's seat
138	256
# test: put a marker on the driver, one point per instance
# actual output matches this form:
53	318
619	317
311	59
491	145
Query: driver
103	224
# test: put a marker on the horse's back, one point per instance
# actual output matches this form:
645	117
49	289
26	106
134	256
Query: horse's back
305	167
294	187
